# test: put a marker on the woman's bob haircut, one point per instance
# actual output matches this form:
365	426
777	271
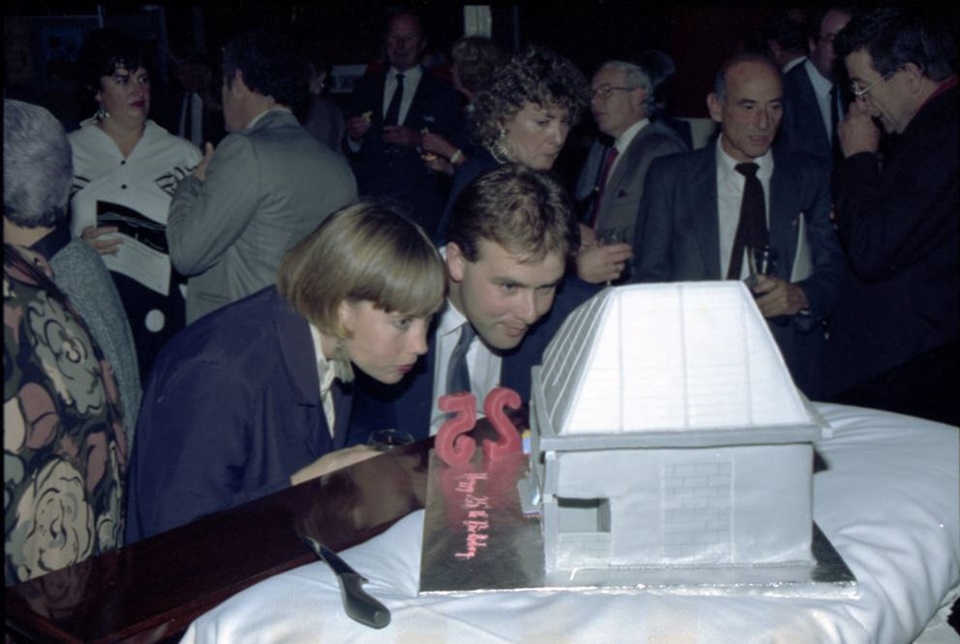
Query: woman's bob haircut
368	251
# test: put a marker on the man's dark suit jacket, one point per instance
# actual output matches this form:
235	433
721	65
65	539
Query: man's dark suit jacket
232	409
408	406
679	229
802	128
899	227
399	172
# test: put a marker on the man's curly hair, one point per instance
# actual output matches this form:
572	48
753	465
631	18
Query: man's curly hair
534	75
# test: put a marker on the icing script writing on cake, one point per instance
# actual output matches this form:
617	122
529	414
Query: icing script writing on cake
477	521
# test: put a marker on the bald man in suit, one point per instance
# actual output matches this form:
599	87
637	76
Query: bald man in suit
690	215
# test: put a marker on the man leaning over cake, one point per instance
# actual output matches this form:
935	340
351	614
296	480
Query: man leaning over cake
510	238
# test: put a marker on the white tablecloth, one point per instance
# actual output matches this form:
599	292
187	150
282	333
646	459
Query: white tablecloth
888	503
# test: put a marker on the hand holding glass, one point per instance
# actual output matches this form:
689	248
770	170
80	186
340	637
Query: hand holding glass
611	236
761	260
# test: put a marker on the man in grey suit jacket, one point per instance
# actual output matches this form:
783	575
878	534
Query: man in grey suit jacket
623	103
690	213
268	185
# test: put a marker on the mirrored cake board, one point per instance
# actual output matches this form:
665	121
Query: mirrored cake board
477	538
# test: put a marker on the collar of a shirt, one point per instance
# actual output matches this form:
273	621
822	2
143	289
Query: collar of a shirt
726	164
329	370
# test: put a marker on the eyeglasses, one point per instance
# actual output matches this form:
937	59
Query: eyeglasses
604	92
861	93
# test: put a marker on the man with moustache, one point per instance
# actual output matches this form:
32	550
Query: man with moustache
704	211
895	329
511	235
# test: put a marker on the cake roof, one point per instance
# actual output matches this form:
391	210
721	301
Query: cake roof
667	358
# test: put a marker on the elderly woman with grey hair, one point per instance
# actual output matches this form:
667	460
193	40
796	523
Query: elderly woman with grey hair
65	451
475	61
36	187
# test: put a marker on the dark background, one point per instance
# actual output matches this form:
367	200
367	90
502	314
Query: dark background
698	35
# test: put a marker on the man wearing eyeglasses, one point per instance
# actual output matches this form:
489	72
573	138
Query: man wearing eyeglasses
623	102
813	100
895	330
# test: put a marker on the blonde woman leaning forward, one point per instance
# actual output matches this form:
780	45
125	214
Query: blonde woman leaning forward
257	395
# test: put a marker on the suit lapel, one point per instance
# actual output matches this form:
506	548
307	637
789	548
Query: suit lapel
784	212
705	213
627	161
342	402
416	115
809	112
300	358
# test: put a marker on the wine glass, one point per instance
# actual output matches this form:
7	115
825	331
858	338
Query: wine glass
614	235
761	260
384	440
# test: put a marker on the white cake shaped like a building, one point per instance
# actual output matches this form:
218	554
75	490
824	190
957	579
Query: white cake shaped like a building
667	432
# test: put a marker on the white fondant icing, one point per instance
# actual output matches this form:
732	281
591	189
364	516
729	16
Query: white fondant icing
667	432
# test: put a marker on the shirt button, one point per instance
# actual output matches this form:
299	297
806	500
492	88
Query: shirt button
124	162
123	187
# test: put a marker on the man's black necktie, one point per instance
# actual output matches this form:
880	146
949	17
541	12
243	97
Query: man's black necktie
393	110
834	121
458	373
752	229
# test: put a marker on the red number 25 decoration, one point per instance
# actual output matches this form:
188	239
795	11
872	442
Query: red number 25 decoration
454	449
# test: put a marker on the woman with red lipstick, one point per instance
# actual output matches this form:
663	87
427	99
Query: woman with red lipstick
126	168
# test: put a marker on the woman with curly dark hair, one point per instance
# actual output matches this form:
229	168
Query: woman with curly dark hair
523	116
126	168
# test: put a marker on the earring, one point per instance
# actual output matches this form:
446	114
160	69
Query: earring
500	150
340	350
101	114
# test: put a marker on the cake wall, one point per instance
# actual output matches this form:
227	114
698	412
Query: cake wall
729	506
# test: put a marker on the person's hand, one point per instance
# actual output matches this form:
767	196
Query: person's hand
602	263
358	126
588	236
405	137
98	240
776	297
435	143
333	461
437	163
857	131
200	172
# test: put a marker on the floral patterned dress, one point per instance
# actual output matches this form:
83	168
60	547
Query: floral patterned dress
64	451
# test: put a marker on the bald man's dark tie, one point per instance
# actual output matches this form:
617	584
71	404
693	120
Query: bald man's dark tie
458	373
752	229
393	110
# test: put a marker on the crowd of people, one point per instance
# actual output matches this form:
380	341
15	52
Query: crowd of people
188	329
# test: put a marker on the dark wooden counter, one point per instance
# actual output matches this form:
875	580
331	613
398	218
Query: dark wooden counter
152	590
